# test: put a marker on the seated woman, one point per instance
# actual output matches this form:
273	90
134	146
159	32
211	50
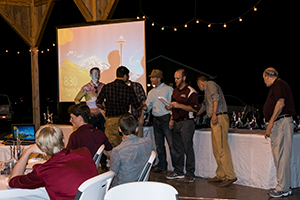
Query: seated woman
62	174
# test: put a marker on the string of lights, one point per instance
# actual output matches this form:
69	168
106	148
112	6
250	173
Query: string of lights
28	50
196	20
142	15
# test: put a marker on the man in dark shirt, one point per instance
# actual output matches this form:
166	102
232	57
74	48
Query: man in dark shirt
184	105
278	110
85	135
118	96
62	174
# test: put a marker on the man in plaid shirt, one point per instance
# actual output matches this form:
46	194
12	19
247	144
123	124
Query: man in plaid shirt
140	93
118	96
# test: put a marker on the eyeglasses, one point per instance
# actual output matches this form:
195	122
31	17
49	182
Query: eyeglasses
96	88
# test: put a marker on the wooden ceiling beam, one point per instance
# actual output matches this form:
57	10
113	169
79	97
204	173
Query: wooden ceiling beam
84	10
110	9
42	26
15	2
19	30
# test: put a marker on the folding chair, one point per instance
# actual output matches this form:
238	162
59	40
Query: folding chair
144	176
147	190
98	155
96	187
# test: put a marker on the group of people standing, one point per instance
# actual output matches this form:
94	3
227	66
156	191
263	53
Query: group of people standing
173	120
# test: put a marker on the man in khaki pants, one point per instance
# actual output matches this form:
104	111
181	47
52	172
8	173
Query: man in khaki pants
215	106
279	109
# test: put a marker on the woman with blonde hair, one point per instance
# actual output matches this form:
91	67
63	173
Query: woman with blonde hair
62	174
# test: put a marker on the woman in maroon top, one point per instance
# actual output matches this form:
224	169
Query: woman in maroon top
62	174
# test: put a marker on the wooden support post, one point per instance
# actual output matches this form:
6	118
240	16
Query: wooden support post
35	87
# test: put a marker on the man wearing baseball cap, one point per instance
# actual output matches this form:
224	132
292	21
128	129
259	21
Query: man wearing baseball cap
161	118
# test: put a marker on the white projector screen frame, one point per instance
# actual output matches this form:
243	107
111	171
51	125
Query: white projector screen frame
106	46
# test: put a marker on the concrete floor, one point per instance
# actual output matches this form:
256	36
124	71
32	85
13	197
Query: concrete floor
201	189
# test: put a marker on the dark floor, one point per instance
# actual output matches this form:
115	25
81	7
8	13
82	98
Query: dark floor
201	189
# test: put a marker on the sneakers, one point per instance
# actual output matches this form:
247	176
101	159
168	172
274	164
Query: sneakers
226	182
214	179
174	176
276	193
190	178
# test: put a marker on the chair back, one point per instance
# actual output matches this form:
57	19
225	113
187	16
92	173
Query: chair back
147	190
98	155
144	176
95	188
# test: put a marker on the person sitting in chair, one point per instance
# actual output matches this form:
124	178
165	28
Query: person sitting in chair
85	135
62	174
129	158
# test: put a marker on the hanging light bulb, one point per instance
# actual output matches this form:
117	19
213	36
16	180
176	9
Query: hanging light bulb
138	17
224	25
240	19
185	25
29	50
53	44
162	28
18	52
255	9
144	16
48	49
6	51
175	29
209	25
197	21
152	23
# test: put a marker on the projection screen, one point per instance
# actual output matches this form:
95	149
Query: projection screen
106	46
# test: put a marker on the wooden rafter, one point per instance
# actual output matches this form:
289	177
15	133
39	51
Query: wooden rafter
84	10
19	30
42	26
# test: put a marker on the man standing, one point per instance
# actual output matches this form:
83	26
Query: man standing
278	110
140	94
161	119
215	106
118	96
184	104
129	158
91	91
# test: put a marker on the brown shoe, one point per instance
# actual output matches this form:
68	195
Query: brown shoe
214	179
226	182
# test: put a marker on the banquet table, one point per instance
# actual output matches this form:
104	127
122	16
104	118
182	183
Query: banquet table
251	156
7	193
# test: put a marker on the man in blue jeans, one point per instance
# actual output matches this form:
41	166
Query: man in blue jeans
161	118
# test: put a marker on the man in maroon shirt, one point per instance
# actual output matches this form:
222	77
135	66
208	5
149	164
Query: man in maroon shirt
62	174
85	135
184	105
278	111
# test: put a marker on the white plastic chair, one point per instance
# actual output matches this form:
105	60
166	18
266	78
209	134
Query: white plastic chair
95	188
147	190
98	155
144	176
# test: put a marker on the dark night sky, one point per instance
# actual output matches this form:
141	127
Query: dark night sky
237	55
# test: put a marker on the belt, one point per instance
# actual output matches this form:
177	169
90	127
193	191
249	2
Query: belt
221	113
282	116
183	119
161	117
98	115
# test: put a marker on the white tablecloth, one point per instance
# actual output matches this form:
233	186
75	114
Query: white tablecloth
251	156
5	152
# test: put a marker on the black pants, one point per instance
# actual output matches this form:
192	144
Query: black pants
183	134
